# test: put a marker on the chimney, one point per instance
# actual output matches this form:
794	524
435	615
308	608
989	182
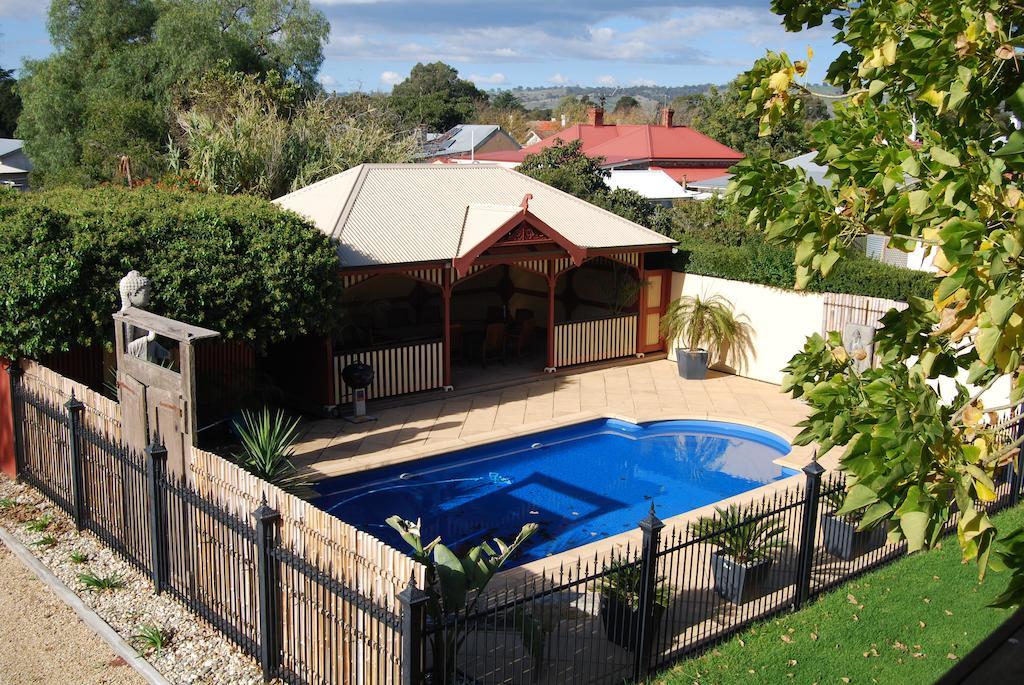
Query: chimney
596	116
666	117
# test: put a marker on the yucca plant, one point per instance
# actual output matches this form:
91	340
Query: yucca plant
78	557
741	534
6	502
152	637
96	583
268	441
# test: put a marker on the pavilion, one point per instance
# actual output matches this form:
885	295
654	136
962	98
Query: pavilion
451	271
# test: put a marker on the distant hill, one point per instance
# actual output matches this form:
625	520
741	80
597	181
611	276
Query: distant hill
650	97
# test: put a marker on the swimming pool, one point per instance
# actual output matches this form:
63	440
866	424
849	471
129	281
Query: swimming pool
581	483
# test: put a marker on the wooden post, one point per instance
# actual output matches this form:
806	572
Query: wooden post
552	278
641	306
446	299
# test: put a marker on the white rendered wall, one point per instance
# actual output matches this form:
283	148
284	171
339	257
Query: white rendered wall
781	321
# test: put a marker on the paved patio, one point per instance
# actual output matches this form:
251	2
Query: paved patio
639	392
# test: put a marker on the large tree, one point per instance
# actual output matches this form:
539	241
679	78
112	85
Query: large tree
239	134
434	96
10	103
923	149
106	91
565	166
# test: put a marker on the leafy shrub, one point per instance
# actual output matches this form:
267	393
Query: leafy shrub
773	266
91	581
235	264
152	637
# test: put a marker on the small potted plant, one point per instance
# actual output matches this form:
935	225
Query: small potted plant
742	558
843	535
620	602
703	324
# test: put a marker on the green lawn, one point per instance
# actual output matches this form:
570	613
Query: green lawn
904	623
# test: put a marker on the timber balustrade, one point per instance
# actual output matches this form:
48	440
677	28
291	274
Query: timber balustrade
397	369
581	342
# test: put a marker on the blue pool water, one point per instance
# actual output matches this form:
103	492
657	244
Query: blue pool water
580	483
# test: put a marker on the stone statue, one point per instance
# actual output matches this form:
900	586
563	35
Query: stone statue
135	291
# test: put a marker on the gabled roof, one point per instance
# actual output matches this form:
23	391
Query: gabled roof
458	140
622	143
413	213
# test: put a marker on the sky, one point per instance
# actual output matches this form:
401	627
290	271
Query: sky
503	44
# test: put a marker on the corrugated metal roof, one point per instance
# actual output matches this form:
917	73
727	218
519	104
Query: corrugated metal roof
457	140
408	213
481	221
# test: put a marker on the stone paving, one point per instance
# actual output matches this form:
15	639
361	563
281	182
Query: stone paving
638	392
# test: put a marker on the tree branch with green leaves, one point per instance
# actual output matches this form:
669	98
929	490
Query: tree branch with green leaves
924	147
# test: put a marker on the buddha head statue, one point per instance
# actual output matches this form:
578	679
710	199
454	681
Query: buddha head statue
135	290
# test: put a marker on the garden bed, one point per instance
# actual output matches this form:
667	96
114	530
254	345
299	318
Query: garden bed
193	653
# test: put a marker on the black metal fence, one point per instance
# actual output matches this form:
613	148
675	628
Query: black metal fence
617	617
626	614
300	621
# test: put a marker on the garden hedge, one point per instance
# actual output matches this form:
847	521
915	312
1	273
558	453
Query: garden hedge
758	262
236	264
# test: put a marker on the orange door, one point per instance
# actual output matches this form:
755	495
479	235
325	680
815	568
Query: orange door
653	305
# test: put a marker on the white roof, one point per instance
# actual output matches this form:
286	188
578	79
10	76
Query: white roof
8	169
409	213
654	184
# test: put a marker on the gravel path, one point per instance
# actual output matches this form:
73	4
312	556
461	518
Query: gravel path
194	653
44	640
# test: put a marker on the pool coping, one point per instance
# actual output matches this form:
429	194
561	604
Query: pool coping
797	458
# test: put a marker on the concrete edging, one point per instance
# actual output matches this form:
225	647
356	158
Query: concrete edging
91	619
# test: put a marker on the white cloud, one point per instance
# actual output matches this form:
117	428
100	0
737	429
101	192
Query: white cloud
390	78
495	79
559	79
607	80
327	81
643	82
19	9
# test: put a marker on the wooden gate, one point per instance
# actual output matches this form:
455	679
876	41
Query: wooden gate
156	382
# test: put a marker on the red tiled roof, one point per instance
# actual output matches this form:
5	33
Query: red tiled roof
632	142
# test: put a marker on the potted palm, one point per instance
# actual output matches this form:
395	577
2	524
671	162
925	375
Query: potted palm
843	535
702	324
743	544
620	602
